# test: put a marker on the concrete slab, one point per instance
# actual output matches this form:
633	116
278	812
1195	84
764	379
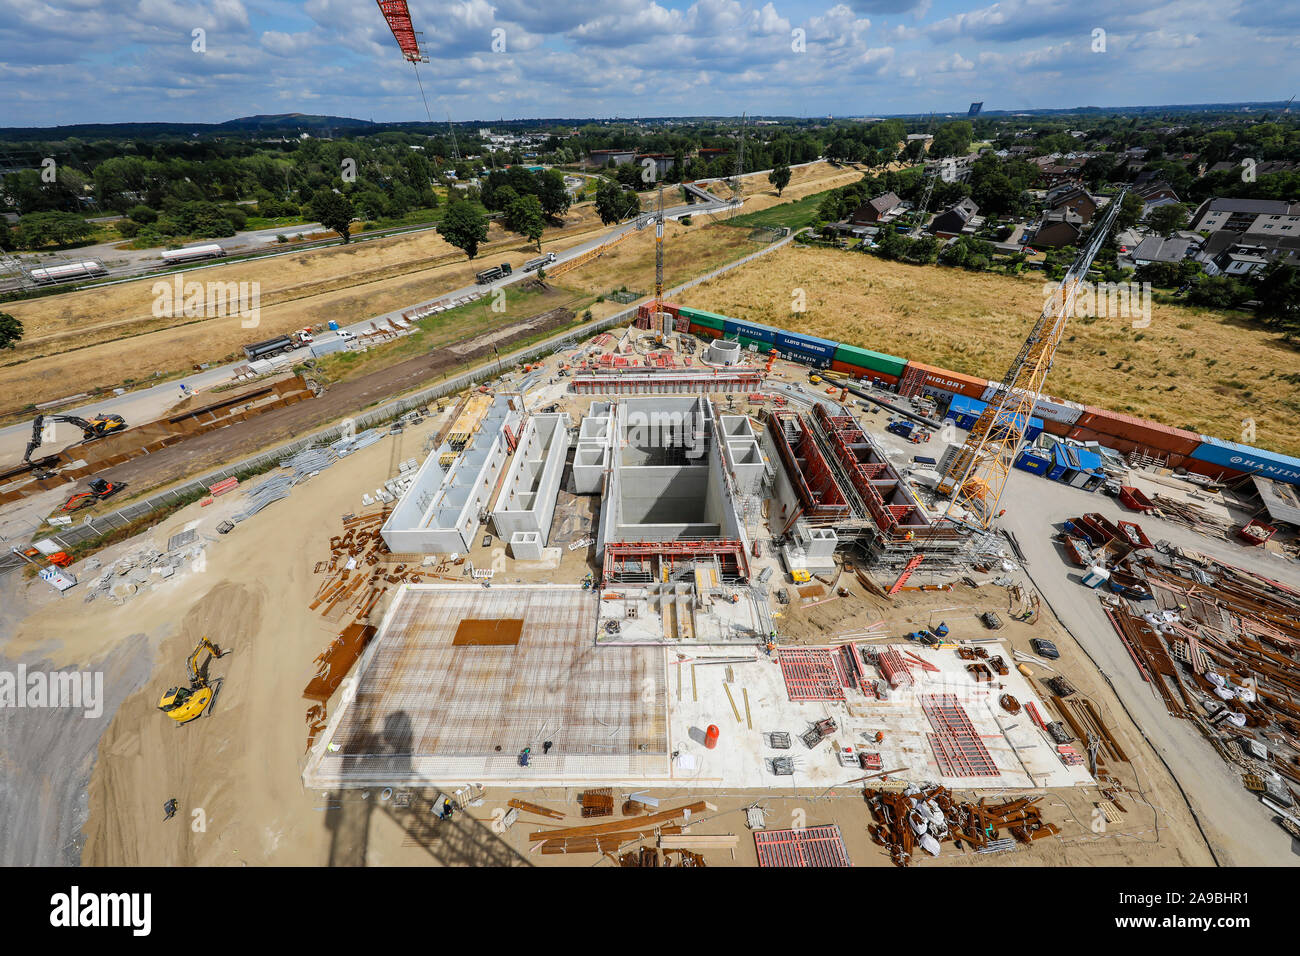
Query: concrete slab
1025	756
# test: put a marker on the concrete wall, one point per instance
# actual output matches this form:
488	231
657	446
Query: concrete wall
527	499
439	514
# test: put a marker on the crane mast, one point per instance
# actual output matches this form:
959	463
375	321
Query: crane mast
977	474
659	254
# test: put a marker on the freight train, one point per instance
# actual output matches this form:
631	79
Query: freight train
1179	448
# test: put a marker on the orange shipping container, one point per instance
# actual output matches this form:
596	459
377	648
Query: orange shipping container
1138	431
967	385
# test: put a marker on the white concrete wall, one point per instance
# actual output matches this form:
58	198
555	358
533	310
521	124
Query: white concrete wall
527	499
439	514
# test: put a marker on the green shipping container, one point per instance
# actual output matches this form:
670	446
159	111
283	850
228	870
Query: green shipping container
763	347
865	358
700	317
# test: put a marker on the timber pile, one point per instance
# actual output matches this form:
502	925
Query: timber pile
1192	515
612	836
1222	646
931	816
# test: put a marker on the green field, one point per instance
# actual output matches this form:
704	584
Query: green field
796	214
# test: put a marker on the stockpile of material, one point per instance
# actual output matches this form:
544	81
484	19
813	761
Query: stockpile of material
928	817
1222	647
610	837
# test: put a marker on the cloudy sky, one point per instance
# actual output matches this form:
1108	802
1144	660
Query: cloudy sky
77	61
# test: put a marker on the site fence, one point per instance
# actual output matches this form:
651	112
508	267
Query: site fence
90	528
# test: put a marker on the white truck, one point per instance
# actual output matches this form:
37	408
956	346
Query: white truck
534	264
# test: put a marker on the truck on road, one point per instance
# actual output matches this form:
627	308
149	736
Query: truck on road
280	345
494	273
533	264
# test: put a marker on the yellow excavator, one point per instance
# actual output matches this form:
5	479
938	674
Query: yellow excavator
183	704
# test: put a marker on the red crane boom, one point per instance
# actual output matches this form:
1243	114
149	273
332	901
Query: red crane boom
398	16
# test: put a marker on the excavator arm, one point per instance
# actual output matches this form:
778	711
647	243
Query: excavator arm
100	426
193	663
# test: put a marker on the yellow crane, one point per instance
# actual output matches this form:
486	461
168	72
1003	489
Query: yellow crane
977	474
183	704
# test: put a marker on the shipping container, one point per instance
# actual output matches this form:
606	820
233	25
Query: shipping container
1047	408
822	350
703	331
954	382
869	375
762	347
751	330
874	361
1151	435
965	411
700	317
1244	458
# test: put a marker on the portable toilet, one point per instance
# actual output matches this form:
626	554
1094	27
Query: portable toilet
1095	577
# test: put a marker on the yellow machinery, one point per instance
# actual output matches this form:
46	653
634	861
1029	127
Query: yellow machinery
183	704
800	576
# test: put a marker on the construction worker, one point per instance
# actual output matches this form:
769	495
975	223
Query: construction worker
169	808
1002	512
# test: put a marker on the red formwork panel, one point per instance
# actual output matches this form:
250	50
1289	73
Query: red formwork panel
956	744
821	846
810	673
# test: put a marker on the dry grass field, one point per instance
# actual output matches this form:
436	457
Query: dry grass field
106	337
1191	368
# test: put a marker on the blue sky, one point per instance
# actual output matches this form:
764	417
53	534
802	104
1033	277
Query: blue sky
76	61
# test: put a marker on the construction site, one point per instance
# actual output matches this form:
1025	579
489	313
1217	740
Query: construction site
665	597
657	587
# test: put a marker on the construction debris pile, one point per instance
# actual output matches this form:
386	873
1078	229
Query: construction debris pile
930	816
141	570
1222	647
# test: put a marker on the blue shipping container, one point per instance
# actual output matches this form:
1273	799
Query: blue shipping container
965	411
1269	464
759	332
810	345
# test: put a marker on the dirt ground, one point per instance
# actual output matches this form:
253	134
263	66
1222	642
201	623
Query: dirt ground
236	773
1190	368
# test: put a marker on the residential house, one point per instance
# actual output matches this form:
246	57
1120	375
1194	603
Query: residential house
881	209
961	218
1072	196
1233	253
1157	249
1248	215
1058	228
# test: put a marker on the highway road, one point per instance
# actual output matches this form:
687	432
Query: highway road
146	404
